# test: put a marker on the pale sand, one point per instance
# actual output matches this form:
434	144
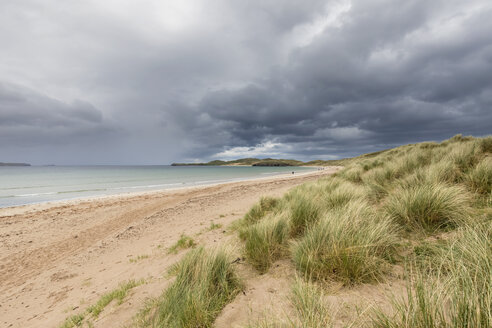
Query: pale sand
59	258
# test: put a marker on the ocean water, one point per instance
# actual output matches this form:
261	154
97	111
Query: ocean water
36	184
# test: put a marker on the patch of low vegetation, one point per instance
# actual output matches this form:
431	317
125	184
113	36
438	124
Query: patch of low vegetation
93	311
304	213
462	297
118	294
350	245
259	210
310	309
266	242
138	258
479	178
205	282
214	226
75	320
429	206
183	242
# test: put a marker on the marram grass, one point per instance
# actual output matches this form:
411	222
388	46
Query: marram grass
479	178
460	297
429	206
265	241
310	309
205	282
349	245
259	210
304	212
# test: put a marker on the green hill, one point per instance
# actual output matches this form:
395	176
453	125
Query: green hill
247	162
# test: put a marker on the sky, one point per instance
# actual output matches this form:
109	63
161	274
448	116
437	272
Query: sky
155	82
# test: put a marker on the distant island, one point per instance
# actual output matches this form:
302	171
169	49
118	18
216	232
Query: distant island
247	162
14	164
282	162
260	162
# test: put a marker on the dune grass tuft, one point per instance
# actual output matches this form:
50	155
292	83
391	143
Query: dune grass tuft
205	282
308	301
118	294
304	212
485	144
183	242
95	310
343	194
480	177
214	226
352	174
138	258
464	155
75	320
348	245
462	297
310	309
429	206
259	210
265	242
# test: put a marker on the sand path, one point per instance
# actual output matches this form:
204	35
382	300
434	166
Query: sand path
57	259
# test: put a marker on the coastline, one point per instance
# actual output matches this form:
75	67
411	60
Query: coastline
60	257
19	209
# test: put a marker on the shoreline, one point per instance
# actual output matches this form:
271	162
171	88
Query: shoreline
58	258
43	205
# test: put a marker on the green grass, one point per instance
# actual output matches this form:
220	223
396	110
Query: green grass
479	178
75	320
304	212
348	245
259	210
265	242
429	206
138	258
183	242
205	282
343	194
308	301
118	294
310	309
214	226
459	297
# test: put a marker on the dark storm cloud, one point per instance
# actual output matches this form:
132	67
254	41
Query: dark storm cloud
174	80
392	73
28	118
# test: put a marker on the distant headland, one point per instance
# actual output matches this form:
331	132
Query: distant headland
283	162
260	162
14	164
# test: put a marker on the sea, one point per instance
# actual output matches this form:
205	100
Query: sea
21	185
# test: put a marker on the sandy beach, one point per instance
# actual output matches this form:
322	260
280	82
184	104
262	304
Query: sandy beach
58	258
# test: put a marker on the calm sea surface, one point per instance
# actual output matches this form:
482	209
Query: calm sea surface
35	184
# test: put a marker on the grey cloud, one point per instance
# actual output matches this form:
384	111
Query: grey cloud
30	118
234	74
424	87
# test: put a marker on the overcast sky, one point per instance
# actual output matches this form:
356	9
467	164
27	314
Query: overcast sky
153	82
